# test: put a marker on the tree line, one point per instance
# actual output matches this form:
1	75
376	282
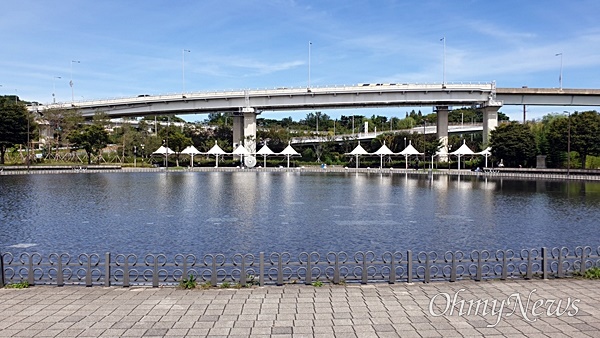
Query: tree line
513	143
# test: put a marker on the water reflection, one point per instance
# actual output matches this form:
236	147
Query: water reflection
257	211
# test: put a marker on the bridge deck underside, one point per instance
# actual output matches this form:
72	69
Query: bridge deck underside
291	102
357	96
548	100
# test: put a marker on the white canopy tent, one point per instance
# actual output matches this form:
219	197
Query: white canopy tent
463	150
265	151
409	150
358	151
163	151
289	152
384	150
487	152
242	151
166	151
191	150
217	151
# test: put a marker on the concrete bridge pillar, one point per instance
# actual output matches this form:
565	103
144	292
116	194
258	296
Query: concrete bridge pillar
490	121
238	129
244	129
442	130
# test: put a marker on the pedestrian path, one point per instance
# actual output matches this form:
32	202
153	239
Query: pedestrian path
534	308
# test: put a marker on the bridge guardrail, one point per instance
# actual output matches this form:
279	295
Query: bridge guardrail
483	86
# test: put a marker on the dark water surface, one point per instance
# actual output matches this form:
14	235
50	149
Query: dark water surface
249	212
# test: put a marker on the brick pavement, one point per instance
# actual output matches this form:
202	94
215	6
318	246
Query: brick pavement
379	310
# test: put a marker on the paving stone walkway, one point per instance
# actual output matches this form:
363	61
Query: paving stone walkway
556	308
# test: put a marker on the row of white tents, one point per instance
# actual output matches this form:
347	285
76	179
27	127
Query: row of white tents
410	150
239	151
289	152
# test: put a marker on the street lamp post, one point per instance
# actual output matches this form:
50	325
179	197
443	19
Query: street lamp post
167	150
444	62
71	82
309	46
183	71
424	127
134	156
462	125
561	68
54	88
334	123
142	145
569	144
28	141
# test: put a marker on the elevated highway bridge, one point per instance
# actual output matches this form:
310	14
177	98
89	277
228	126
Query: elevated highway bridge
430	129
246	104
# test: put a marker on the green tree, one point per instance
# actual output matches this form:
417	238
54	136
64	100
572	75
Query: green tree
91	138
13	124
275	137
224	135
176	140
62	122
163	118
555	129
514	143
585	134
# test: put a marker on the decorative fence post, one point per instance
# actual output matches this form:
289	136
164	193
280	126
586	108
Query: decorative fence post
529	273
336	269
427	269
308	276
60	278
261	269
364	256
155	271
409	266
504	274
107	269
243	271
392	277
560	270
1	270
544	263
88	266
30	276
213	272
279	270
126	271
478	277
583	258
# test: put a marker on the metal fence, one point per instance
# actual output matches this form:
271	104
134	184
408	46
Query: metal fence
305	268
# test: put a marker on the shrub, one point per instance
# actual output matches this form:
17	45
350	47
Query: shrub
188	283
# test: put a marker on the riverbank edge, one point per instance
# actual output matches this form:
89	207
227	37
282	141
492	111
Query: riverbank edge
523	173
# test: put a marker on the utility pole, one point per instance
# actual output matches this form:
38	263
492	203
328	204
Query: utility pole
183	71
71	82
444	63
309	45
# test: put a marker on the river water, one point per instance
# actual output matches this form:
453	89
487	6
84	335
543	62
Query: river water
250	212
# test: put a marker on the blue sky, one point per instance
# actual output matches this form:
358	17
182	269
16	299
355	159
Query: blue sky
127	48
